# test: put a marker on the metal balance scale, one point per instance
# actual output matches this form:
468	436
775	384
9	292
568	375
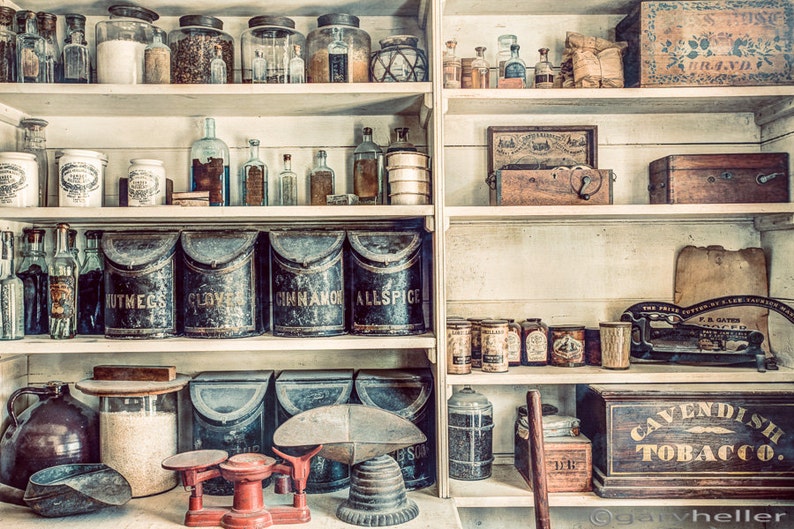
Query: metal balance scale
343	433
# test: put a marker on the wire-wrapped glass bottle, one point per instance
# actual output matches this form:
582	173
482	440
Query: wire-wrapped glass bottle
12	306
63	288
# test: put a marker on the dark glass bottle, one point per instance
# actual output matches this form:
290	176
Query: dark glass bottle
63	288
91	286
33	272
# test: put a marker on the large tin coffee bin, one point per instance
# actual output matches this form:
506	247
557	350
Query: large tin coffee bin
299	391
407	393
140	291
233	411
219	284
308	282
386	282
690	440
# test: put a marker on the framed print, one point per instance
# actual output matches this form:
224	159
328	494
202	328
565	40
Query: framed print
541	147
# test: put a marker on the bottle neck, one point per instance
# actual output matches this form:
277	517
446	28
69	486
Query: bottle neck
253	149
7	263
321	157
287	164
209	128
31	26
62	241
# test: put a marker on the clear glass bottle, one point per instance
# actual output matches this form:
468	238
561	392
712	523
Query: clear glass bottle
515	67
157	59
91	285
209	166
34	141
12	304
368	171
337	58
287	184
321	180
503	51
33	271
544	71
297	66
253	177
452	66
259	68
31	53
218	67
480	70
401	143
47	29
76	62
8	46
63	273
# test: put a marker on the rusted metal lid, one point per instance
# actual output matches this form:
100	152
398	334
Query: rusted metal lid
216	249
401	391
385	247
306	247
137	250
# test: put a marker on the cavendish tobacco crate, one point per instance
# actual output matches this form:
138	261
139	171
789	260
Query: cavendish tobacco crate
707	43
690	440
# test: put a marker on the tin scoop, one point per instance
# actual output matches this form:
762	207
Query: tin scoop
65	490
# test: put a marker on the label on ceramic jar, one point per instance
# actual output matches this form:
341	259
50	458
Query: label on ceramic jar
18	182
81	180
146	184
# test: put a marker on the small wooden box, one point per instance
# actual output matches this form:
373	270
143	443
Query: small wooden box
719	178
690	440
708	43
556	187
569	464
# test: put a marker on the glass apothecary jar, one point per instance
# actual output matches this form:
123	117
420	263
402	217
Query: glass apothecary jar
470	435
120	44
399	60
193	48
272	42
346	27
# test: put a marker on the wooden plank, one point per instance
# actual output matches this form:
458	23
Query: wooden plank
138	372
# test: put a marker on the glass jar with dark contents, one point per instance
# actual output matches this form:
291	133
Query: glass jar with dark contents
470	435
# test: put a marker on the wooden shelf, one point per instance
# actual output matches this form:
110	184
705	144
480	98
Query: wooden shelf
636	374
538	7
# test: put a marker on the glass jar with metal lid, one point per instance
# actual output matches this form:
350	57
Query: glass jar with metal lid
193	48
470	435
267	46
120	43
346	27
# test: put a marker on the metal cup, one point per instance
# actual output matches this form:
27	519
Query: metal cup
615	344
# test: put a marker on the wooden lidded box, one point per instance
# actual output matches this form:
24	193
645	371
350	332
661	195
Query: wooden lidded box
719	178
690	440
562	186
708	43
568	462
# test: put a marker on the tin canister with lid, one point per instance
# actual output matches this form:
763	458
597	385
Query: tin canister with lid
19	180
494	343
386	282
308	282
566	345
458	346
358	48
81	178
146	182
140	290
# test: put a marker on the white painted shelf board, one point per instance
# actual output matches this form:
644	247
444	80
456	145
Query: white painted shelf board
636	374
43	344
616	100
320	99
210	215
507	488
537	7
167	511
622	212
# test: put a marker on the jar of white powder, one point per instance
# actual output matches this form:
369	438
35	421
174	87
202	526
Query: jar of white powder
121	42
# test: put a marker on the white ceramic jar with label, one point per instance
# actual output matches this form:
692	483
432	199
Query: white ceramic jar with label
146	183
19	180
81	178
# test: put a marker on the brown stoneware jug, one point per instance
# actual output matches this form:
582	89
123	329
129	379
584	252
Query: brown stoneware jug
57	430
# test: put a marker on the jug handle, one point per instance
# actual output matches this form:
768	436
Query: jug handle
48	391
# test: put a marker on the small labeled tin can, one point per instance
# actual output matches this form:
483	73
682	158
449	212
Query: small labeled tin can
81	178
476	347
458	346
513	343
534	343
146	183
566	345
19	180
494	343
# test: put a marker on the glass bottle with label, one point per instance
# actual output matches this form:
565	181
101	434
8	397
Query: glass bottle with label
12	305
76	62
480	70
47	29
544	71
503	51
157	59
534	343
33	271
218	67
515	67
31	53
259	68
337	58
297	66
253	176
91	286
368	171
209	167
35	142
63	273
321	180
287	184
452	66
8	46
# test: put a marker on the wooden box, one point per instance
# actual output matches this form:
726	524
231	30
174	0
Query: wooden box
690	440
719	178
708	43
569	464
561	186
